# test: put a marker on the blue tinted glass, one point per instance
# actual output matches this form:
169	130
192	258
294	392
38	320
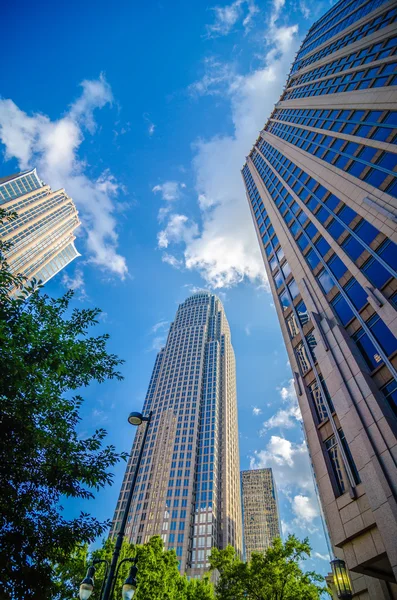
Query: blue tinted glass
268	250
293	288
383	335
375	177
303	315
389	253
332	202
295	227
302	242
286	269
302	217
368	350
388	161
376	273
322	246
284	300
366	231
342	309
368	153
322	215
312	259
278	280
273	263
390	391
335	229
352	247
356	294
356	168
347	214
311	230
280	254
337	267
326	281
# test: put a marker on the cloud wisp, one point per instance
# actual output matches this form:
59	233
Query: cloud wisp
53	147
289	415
226	17
224	248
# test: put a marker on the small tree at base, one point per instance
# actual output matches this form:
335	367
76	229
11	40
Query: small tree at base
274	575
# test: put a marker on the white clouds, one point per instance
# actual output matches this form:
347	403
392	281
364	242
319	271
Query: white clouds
305	508
76	283
52	146
256	411
179	229
170	259
325	557
225	249
169	190
160	331
287	417
227	16
160	325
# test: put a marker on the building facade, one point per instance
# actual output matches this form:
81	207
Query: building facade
321	181
42	234
188	486
261	519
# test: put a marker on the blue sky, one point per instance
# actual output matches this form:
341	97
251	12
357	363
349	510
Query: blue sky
144	113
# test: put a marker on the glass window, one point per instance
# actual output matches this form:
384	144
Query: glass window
285	300
311	340
302	241
318	402
302	358
382	334
322	246
337	267
356	294
280	254
342	309
352	247
335	459
376	273
311	230
278	280
335	229
273	263
349	457
293	288
312	259
347	214
302	312
292	325
390	393
286	269
366	231
388	251
326	281
367	349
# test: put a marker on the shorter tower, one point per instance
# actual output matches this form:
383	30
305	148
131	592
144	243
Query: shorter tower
260	510
42	234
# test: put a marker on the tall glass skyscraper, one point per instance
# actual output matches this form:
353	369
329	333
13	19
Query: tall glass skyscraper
321	183
260	510
188	486
42	236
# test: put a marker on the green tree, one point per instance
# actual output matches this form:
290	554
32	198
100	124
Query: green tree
158	575
46	356
274	575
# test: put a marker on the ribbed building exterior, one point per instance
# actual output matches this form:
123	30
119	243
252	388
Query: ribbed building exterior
321	183
261	520
42	236
188	486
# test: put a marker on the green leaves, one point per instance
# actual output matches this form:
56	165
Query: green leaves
47	352
275	575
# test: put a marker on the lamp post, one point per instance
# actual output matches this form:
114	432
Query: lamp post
341	579
135	419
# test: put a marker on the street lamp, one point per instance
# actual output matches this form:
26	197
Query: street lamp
87	585
136	419
341	579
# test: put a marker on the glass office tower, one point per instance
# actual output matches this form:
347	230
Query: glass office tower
42	236
260	510
188	486
321	182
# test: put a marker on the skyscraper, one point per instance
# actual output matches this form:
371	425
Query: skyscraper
188	486
260	510
321	183
42	235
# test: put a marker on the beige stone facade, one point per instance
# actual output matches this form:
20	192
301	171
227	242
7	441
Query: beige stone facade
320	183
42	235
260	510
188	487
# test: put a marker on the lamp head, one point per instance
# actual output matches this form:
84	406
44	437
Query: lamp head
87	585
341	579
129	585
135	418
